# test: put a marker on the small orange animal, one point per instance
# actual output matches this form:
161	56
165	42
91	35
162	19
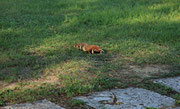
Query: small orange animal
88	48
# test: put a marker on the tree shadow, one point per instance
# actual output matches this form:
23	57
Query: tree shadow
68	23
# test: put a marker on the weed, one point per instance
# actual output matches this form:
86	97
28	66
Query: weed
151	108
176	96
77	102
73	85
104	82
178	102
2	102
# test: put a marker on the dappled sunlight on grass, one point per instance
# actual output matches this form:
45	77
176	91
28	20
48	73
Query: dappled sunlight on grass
176	19
37	39
69	66
164	5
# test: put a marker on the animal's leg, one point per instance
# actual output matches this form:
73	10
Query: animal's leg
92	51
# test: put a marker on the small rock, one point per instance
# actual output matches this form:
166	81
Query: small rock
43	104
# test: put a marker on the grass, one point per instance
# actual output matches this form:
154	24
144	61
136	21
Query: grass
77	102
37	38
178	102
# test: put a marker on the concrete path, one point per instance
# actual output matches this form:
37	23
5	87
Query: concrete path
43	104
130	98
170	82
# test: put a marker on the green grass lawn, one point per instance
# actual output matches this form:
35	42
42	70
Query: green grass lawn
37	38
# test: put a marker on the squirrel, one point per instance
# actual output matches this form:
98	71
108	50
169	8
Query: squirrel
88	48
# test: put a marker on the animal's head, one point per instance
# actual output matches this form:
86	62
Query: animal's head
77	46
99	50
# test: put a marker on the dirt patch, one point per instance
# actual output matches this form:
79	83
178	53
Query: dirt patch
137	73
4	85
146	71
149	70
15	73
31	83
121	68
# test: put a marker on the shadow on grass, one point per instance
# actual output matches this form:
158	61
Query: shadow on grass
30	35
37	38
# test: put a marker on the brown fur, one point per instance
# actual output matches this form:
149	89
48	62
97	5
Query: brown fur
80	45
88	48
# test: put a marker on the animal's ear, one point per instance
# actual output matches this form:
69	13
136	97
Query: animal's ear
75	45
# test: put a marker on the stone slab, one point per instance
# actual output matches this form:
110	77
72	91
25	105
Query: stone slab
170	82
129	98
43	104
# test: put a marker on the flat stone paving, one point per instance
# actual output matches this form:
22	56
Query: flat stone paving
130	98
170	82
43	104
